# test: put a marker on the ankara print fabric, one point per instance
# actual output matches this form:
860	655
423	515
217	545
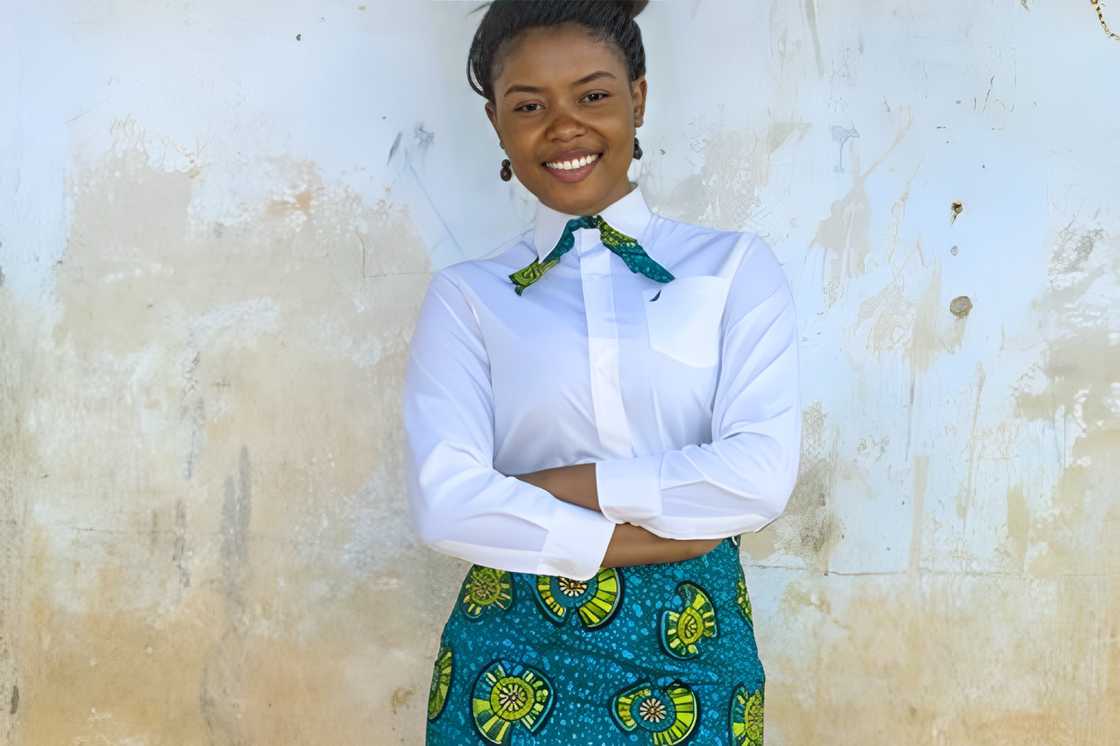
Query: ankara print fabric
660	654
628	249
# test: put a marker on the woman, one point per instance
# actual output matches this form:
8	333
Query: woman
594	414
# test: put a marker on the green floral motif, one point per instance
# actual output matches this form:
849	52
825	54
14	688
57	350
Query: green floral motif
595	600
485	588
745	716
529	274
668	714
682	631
743	599
506	694
626	247
441	682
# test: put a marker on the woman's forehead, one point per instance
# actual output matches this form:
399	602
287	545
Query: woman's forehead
561	54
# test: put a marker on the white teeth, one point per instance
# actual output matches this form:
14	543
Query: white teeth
570	165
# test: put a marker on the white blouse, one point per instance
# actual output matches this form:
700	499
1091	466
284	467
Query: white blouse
684	394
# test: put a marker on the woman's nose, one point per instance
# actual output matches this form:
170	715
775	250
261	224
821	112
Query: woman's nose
565	125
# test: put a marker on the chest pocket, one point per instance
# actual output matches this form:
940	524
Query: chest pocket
683	318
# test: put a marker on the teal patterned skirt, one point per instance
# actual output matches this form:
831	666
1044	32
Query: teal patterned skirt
658	654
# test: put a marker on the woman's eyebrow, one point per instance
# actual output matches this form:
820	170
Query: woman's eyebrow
534	89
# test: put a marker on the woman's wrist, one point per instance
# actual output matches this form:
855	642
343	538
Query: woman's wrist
634	545
573	484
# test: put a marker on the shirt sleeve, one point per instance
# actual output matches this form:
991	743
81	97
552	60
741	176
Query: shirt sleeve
741	480
459	504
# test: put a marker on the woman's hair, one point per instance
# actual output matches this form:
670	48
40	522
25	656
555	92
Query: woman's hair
606	20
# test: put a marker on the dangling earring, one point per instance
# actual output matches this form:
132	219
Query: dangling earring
637	149
505	173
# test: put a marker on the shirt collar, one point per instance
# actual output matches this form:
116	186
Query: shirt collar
629	213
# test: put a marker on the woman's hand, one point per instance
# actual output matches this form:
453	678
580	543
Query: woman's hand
573	484
631	545
634	545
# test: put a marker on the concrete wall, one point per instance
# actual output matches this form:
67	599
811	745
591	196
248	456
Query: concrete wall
216	224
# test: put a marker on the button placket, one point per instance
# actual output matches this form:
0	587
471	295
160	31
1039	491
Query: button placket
611	421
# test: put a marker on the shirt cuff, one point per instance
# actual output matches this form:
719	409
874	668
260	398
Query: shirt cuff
576	543
629	488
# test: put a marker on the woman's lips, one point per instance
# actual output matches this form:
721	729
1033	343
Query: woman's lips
575	174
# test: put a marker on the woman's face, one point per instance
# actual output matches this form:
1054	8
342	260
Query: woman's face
562	95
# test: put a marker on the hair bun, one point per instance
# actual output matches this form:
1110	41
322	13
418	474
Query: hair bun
631	7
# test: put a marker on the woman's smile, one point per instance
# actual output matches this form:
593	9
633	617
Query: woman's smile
573	169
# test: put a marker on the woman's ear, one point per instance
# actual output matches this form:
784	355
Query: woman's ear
638	90
492	115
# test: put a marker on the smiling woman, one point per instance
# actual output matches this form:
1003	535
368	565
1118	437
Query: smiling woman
563	122
593	417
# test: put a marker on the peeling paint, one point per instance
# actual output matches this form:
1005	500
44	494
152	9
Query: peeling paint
180	343
393	148
841	135
223	676
811	18
179	552
1018	526
936	649
920	487
736	166
960	306
845	233
1098	5
1074	393
204	316
808	526
967	493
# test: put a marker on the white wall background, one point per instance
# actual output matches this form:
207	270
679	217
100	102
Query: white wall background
216	224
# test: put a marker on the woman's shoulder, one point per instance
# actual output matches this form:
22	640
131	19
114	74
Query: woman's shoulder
674	229
507	256
695	237
732	250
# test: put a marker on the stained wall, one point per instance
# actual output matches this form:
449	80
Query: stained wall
216	225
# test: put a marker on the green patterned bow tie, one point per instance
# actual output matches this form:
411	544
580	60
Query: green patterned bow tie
626	247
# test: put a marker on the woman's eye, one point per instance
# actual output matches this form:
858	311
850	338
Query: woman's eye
524	107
